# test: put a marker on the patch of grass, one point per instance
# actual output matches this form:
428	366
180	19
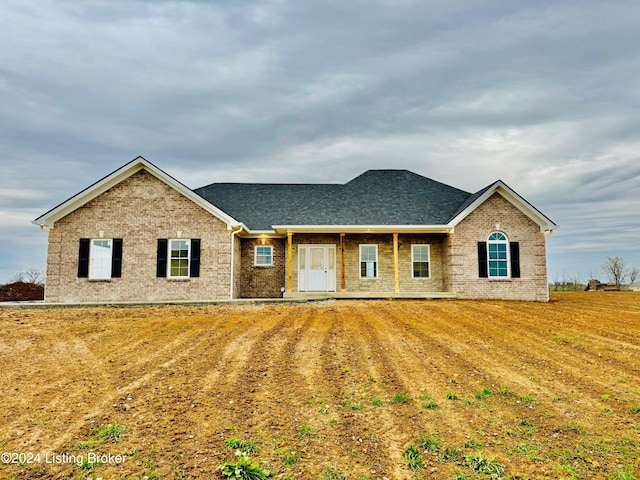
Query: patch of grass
451	455
572	427
472	444
620	474
505	392
483	464
291	458
526	399
376	402
305	430
401	397
635	409
428	402
88	465
350	404
527	428
462	476
247	446
451	396
413	458
428	442
111	432
484	393
332	474
528	450
244	469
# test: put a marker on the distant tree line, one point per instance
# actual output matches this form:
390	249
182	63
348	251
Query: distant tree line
614	268
30	275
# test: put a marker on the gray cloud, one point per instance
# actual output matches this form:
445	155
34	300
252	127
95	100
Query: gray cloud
541	94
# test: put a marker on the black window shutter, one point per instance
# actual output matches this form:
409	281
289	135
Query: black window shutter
83	258
116	258
515	259
483	271
161	262
194	268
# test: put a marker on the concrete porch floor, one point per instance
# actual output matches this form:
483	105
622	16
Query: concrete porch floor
363	295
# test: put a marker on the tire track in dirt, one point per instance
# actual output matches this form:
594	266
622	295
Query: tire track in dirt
587	365
389	437
369	434
496	356
527	364
432	365
101	401
221	357
272	364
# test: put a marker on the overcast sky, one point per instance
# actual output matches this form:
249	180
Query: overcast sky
544	95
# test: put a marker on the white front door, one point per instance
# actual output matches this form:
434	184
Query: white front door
316	268
317	274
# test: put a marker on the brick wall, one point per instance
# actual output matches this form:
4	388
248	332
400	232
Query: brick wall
139	210
262	281
496	214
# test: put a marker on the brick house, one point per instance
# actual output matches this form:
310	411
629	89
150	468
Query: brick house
139	234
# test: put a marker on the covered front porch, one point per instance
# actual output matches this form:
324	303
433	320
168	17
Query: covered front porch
367	264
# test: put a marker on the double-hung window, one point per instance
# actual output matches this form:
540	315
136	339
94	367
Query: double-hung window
263	256
368	261
178	258
420	261
100	258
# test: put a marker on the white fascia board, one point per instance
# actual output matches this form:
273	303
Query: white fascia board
545	224
363	228
261	234
114	178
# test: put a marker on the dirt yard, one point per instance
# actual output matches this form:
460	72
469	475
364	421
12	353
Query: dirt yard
329	390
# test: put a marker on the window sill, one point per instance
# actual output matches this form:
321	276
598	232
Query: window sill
263	266
184	279
507	280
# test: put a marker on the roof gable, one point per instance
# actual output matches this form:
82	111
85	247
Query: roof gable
475	200
93	191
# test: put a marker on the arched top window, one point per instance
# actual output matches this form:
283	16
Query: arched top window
498	258
497	236
498	255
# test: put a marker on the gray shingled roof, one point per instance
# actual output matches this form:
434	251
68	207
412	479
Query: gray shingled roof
377	197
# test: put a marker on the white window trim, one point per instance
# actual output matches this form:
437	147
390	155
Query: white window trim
92	257
188	258
376	261
508	259
428	277
255	256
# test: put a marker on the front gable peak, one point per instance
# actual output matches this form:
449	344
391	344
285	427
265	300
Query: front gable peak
502	189
114	178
